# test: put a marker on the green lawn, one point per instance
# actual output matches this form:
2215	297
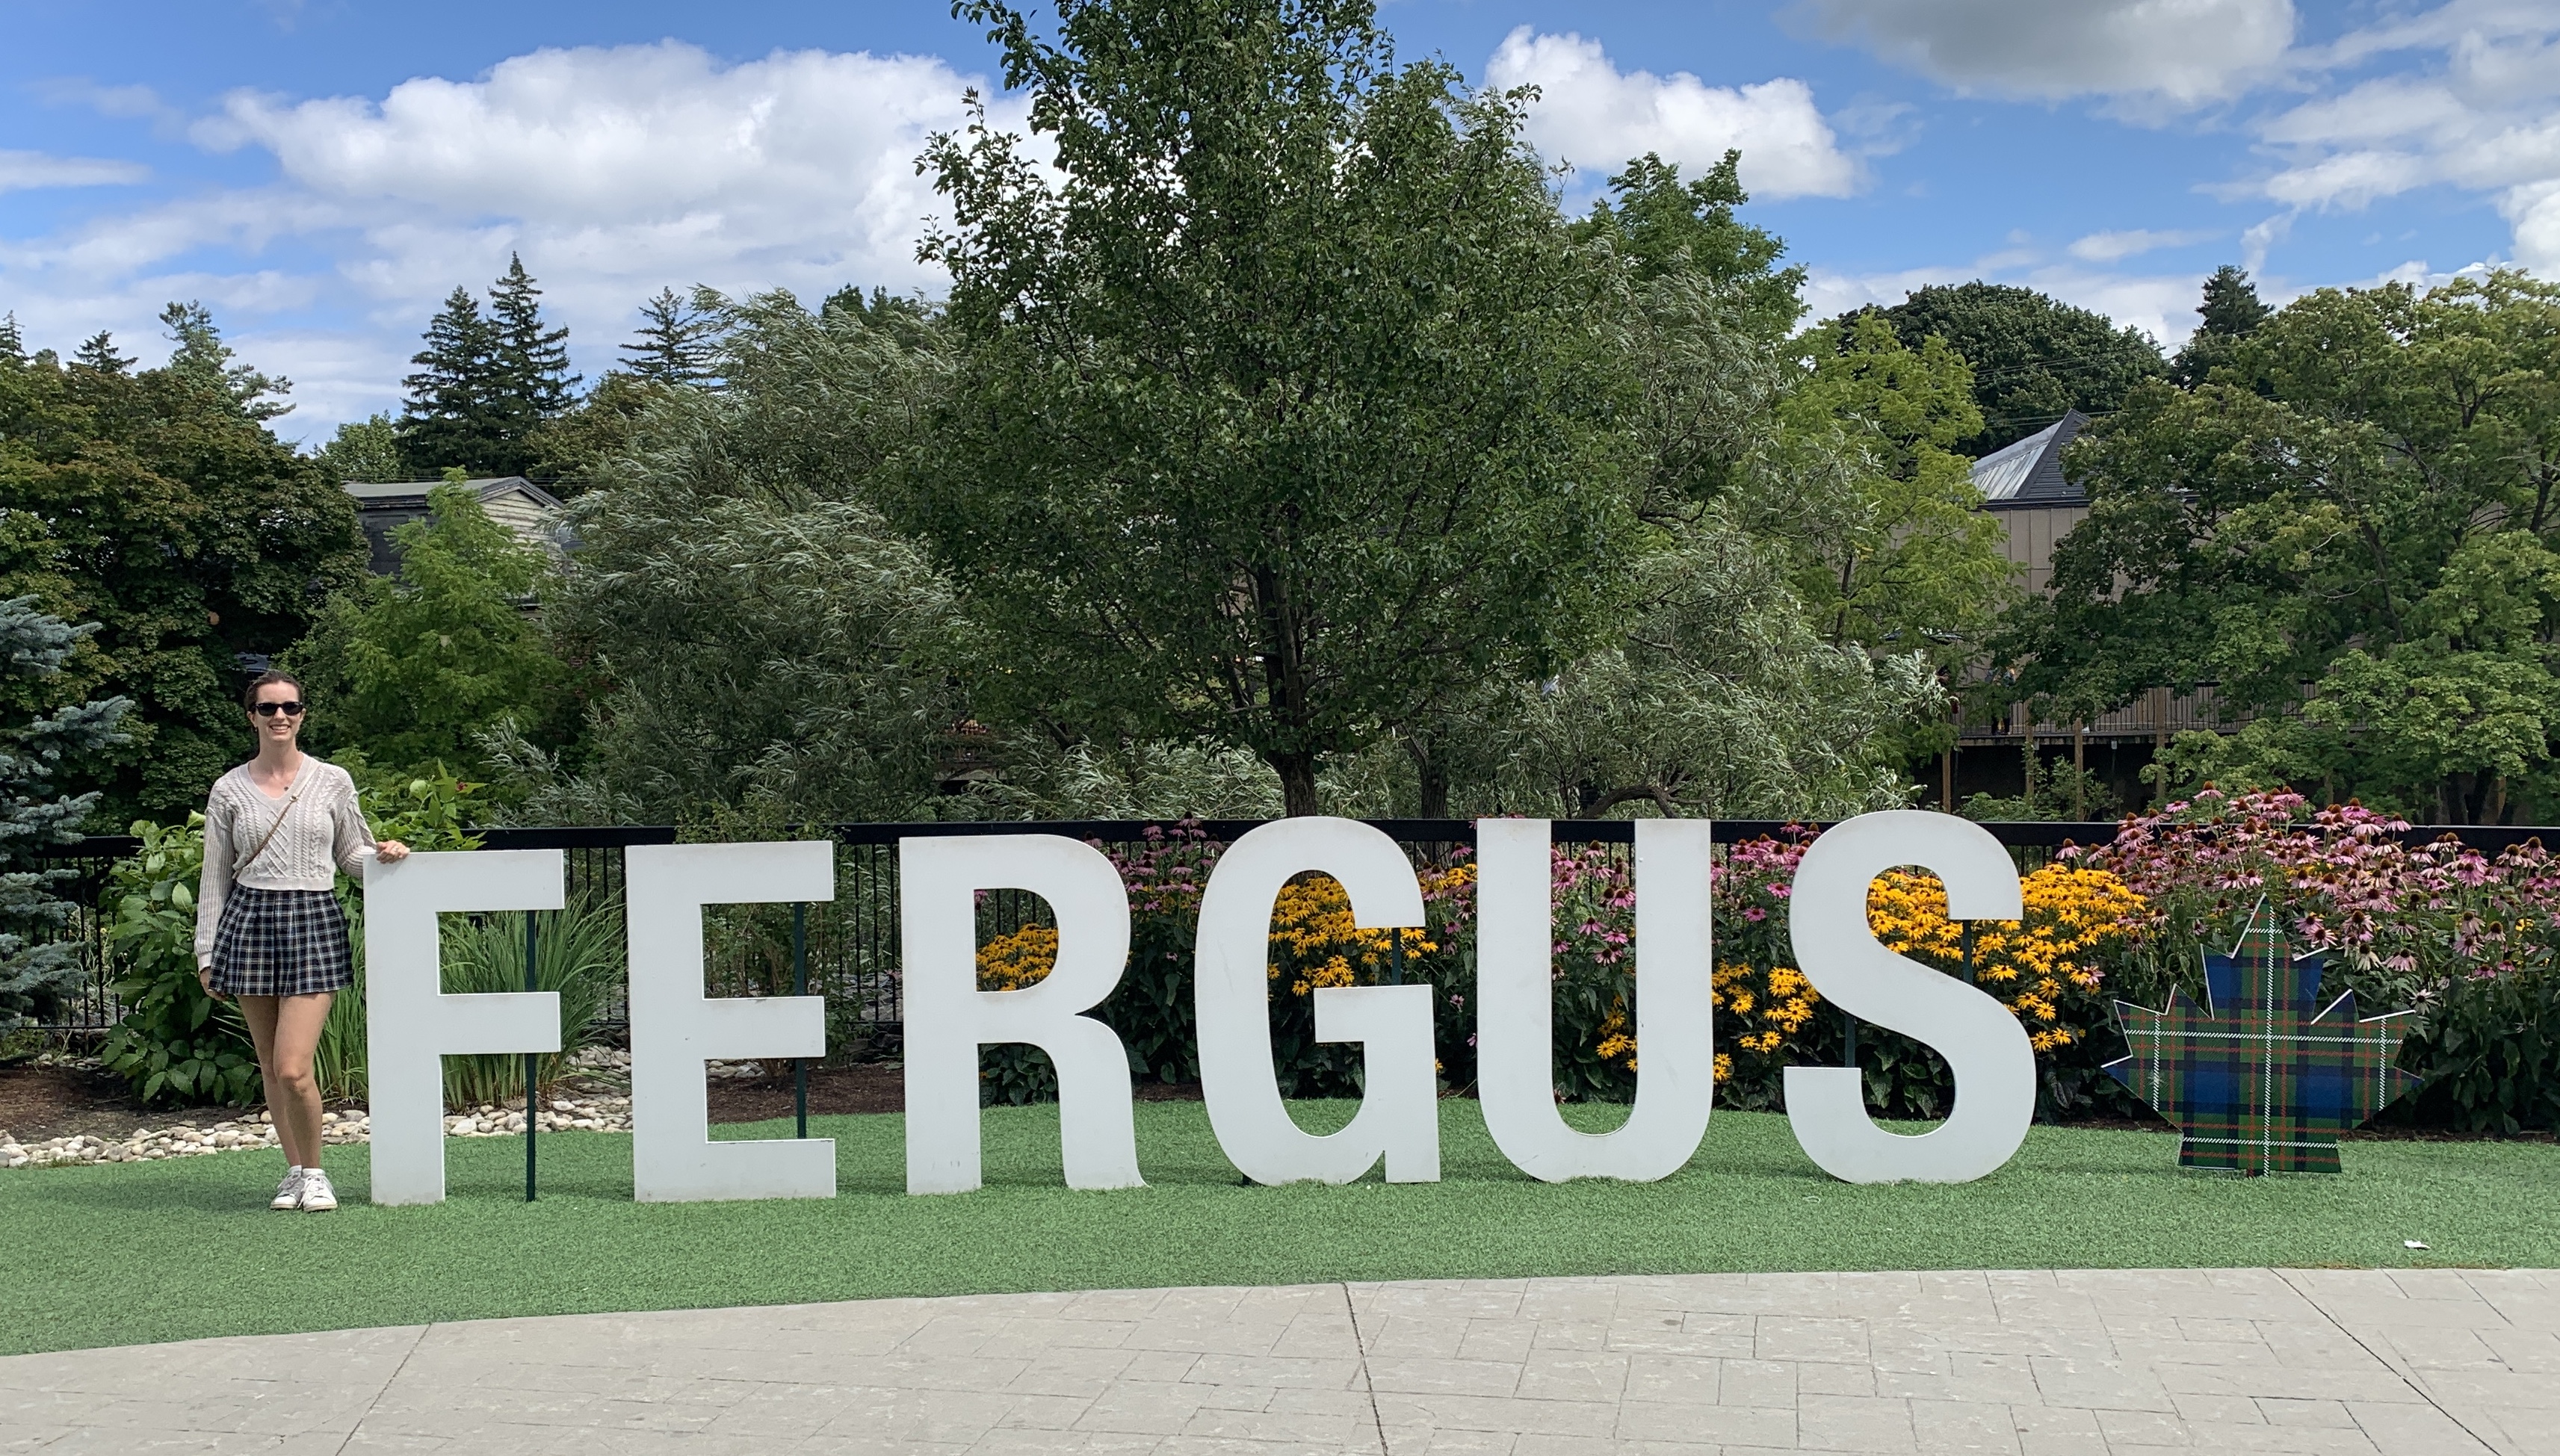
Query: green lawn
124	1254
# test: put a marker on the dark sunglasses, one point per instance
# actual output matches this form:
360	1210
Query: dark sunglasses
270	709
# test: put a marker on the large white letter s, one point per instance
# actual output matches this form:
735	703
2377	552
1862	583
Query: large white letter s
1984	1046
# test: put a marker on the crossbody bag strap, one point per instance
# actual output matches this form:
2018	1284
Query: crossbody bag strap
290	801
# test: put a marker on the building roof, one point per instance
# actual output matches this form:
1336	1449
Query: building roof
394	493
383	507
2028	473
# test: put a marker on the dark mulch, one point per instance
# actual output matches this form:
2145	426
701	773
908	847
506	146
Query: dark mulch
868	1086
40	1102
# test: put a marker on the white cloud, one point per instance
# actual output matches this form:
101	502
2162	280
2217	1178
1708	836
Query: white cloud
2179	52
615	168
1829	292
2106	248
2161	304
1595	117
2483	117
24	171
612	171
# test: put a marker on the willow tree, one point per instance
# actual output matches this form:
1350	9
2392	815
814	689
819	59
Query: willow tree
1285	405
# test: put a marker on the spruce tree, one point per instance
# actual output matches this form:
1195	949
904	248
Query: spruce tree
453	417
12	347
40	968
677	343
2232	311
532	361
98	352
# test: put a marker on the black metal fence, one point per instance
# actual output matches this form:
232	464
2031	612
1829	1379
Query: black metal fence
852	943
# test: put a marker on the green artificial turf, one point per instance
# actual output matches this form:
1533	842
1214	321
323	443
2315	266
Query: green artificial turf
131	1252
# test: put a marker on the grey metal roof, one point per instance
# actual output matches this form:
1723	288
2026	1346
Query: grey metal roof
404	492
2028	472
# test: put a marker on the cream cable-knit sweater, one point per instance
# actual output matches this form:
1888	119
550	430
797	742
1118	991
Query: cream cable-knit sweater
323	833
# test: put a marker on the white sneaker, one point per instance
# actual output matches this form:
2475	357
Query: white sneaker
288	1193
317	1195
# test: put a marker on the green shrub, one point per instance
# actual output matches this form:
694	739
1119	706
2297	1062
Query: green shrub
174	1042
2490	1051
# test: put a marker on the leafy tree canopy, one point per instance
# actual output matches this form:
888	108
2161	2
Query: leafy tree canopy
409	668
365	450
1664	226
2377	528
1285	407
1908	561
2034	357
770	649
155	504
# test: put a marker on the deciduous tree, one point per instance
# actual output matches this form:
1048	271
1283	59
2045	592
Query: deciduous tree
1288	399
152	504
2034	357
2378	526
409	668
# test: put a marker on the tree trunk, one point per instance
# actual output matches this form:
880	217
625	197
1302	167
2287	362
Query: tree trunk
1435	789
1431	774
1297	783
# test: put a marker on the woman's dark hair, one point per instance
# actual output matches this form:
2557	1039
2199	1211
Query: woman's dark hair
248	695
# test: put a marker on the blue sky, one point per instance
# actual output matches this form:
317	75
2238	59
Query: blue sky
321	173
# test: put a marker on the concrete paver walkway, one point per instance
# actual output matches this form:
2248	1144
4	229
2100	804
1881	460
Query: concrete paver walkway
2076	1361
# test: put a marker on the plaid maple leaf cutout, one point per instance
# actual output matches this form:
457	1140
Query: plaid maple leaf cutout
2257	1079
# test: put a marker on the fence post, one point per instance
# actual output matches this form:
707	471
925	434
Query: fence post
800	987
533	1060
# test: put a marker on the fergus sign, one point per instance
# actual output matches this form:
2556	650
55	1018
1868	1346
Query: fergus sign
675	1029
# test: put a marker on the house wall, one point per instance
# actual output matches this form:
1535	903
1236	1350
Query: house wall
2028	534
522	515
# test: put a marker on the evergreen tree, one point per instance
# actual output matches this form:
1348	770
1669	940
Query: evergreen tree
12	347
39	968
533	378
452	417
98	352
678	342
485	381
2231	311
203	356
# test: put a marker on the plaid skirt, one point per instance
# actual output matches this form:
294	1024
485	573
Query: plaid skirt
280	942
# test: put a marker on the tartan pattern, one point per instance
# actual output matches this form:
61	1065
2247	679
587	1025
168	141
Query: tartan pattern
2259	1080
280	942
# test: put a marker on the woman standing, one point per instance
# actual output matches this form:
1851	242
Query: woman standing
277	830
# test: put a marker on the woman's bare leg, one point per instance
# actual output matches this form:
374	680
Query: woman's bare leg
287	1032
298	1020
259	1013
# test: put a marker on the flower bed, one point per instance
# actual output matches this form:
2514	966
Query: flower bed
2468	939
